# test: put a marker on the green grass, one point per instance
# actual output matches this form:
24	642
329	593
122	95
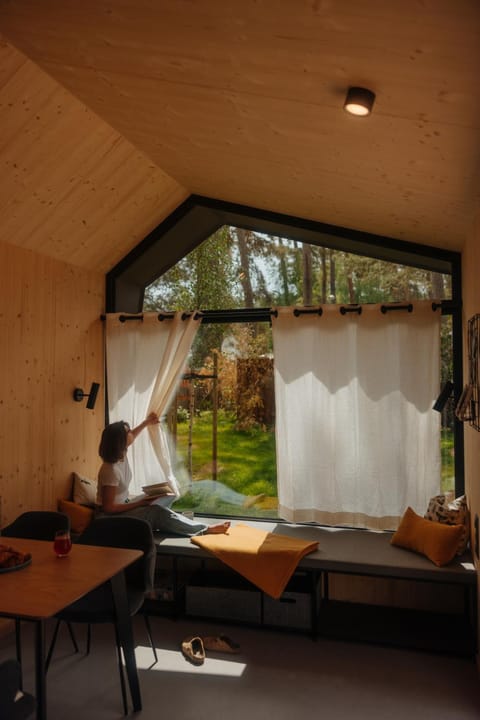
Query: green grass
246	462
448	460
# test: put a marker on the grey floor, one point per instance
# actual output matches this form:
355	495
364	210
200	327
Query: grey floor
276	675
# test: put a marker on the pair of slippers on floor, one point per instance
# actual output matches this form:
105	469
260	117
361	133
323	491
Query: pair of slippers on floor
194	647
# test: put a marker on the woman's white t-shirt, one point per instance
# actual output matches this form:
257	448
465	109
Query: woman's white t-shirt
118	475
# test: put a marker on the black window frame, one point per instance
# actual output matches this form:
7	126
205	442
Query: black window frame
198	217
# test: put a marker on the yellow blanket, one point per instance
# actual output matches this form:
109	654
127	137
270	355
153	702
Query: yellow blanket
266	559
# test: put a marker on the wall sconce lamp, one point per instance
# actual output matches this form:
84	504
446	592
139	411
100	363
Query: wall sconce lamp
359	101
443	398
78	395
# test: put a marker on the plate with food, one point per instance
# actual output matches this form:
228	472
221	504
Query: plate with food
11	559
157	489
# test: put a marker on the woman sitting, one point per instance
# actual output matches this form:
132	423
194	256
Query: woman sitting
114	478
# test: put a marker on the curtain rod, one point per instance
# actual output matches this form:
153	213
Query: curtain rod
239	315
387	308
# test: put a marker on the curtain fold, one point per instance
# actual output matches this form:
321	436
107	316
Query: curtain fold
357	440
145	360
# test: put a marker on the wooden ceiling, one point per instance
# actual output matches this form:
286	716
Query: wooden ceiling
114	111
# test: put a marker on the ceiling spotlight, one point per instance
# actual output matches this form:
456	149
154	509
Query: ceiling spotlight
359	101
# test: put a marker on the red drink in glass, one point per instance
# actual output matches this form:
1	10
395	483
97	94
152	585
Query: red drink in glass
62	544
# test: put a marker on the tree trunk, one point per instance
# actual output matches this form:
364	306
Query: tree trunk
245	278
190	428
215	418
351	289
333	286
283	273
438	288
307	274
323	256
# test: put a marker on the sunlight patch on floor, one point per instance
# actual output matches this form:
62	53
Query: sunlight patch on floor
173	661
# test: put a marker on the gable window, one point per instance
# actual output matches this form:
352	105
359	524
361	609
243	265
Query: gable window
222	422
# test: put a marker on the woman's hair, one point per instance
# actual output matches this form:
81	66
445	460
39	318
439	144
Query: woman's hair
114	442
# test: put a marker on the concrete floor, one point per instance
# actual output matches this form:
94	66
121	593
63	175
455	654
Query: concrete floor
280	675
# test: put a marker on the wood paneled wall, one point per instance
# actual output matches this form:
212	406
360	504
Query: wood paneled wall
52	341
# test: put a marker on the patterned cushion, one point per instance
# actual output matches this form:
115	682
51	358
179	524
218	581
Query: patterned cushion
451	513
84	490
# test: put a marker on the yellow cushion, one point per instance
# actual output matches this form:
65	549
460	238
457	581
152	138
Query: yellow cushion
438	542
80	516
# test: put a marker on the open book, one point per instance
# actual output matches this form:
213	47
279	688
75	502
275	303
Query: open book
163	490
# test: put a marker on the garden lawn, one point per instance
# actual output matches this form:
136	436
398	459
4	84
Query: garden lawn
246	460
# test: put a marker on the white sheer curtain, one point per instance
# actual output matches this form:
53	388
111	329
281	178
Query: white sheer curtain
145	359
357	440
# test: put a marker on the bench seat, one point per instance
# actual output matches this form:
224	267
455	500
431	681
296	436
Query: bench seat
341	550
363	553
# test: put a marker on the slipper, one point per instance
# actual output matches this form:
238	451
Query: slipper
193	650
220	643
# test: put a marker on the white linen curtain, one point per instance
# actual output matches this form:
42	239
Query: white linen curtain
145	359
357	440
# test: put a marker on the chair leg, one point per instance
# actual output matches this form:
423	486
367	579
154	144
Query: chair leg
120	670
150	636
54	640
52	645
18	645
72	636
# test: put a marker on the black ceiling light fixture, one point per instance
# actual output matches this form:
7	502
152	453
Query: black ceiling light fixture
78	395
359	101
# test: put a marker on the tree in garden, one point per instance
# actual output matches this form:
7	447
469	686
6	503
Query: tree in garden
205	279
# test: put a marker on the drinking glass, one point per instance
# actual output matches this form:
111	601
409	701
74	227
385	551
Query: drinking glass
62	543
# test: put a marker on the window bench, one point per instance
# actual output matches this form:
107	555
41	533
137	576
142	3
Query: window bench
367	554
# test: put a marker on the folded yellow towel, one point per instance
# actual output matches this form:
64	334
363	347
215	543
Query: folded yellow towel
266	559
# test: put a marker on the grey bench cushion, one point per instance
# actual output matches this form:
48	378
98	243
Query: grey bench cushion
360	552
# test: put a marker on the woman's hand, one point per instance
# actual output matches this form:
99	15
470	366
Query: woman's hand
151	419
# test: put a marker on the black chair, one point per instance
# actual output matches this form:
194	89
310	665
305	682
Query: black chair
14	704
97	607
36	525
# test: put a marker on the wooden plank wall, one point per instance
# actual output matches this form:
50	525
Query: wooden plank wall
52	342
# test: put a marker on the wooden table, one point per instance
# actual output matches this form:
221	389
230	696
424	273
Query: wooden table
49	584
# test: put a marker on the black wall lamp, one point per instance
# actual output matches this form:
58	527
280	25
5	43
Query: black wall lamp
78	395
359	101
444	396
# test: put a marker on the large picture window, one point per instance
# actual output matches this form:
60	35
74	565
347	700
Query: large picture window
234	264
222	422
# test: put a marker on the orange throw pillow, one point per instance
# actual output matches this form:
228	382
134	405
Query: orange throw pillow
80	516
438	542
